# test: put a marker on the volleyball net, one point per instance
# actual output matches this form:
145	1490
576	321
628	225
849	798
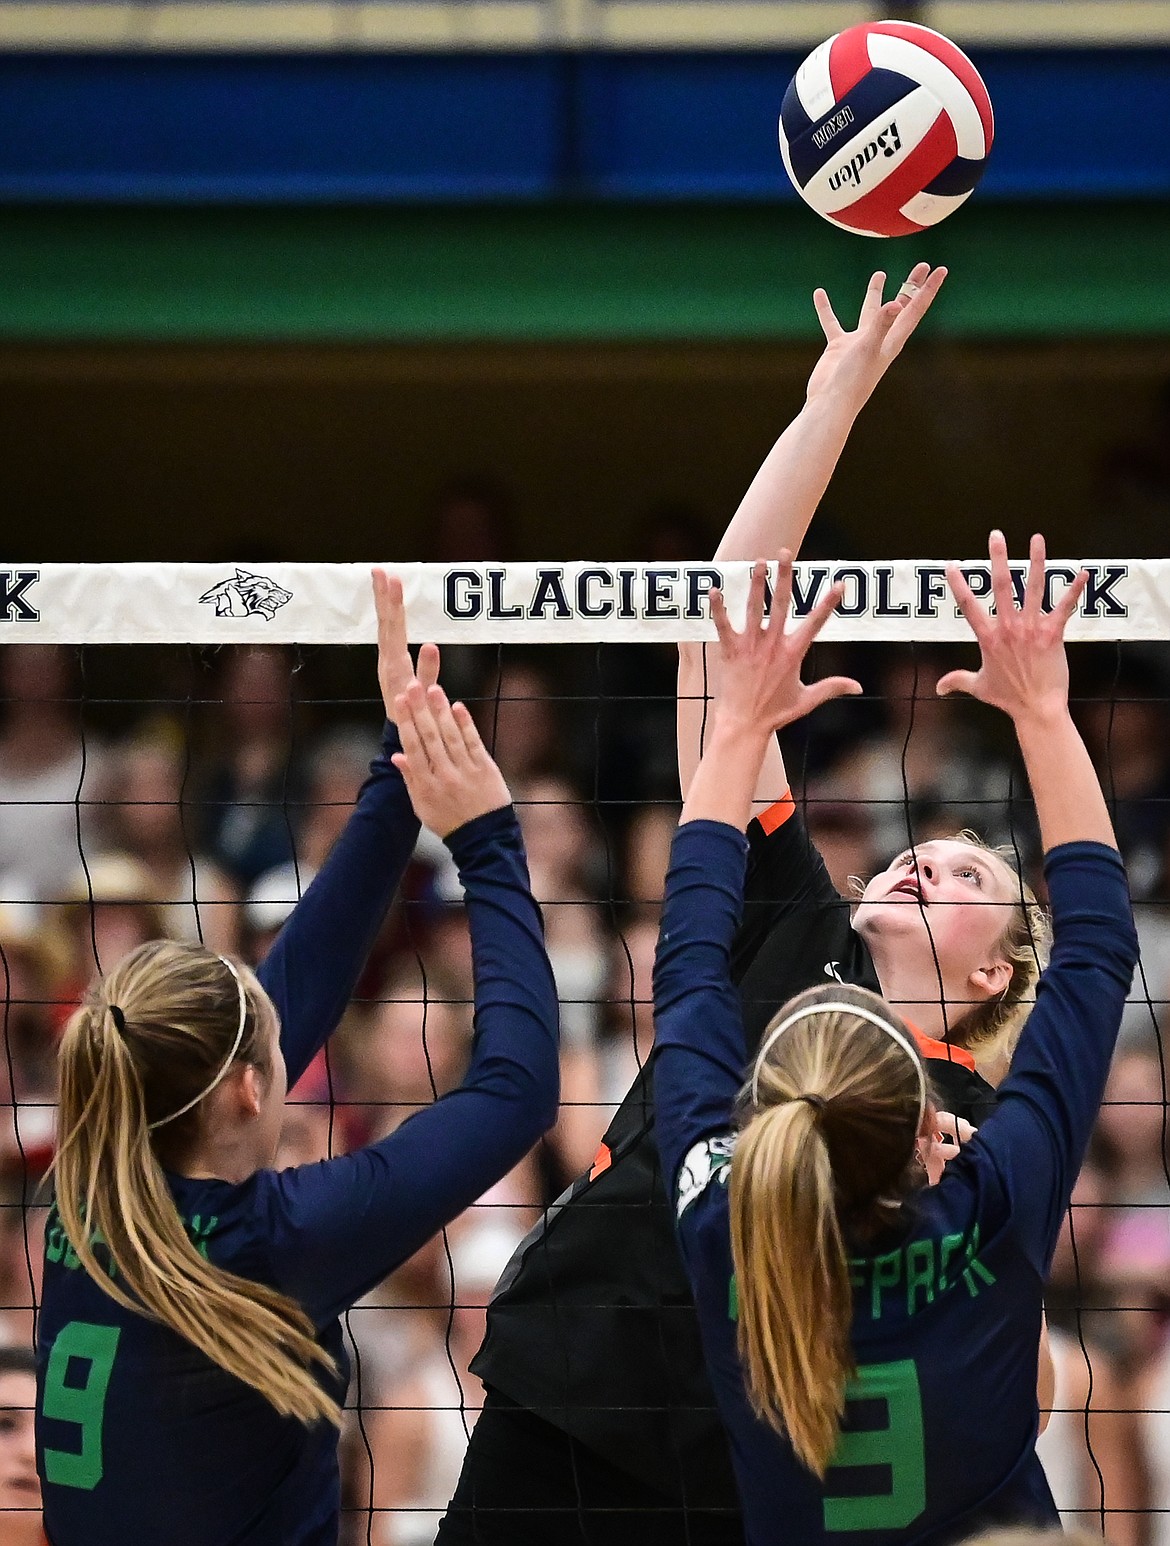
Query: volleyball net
180	746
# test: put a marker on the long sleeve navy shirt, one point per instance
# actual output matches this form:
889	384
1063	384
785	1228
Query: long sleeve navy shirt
140	1437
940	1426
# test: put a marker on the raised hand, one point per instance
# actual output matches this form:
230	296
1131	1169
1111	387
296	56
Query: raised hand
448	774
854	362
947	1138
759	683
396	670
1024	669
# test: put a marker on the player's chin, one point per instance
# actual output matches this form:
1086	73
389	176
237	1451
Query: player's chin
20	1490
895	914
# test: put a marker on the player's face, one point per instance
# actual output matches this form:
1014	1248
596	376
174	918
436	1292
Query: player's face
20	1488
946	898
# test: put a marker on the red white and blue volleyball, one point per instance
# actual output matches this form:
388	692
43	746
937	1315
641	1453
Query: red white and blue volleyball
886	128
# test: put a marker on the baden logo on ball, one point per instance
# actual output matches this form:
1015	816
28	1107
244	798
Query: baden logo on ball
886	128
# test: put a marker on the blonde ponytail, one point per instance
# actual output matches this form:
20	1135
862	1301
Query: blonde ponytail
830	1136
792	1279
148	1039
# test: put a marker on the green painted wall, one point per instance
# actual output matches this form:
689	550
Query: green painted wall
558	273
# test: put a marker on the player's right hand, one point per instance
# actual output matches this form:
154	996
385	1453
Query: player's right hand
396	670
759	683
449	775
854	362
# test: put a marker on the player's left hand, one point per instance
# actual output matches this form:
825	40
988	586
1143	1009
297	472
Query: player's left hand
396	670
449	775
949	1135
759	685
854	362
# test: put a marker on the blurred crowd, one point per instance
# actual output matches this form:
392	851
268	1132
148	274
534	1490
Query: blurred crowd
198	798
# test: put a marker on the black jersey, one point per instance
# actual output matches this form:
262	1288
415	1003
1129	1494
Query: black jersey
592	1325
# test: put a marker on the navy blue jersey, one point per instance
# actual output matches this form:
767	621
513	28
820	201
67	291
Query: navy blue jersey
141	1438
940	1426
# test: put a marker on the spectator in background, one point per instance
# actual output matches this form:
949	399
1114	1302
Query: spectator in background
844	835
34	963
309	1130
1091	1448
45	768
629	1033
564	853
20	1486
647	854
516	716
146	820
1125	721
22	1249
419	1433
925	750
252	779
470	522
1131	1143
338	766
105	912
1149	1398
1132	487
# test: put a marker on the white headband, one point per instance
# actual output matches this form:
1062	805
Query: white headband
228	1061
850	1009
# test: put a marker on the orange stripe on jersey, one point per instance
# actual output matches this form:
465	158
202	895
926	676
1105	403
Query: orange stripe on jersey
942	1051
601	1162
776	815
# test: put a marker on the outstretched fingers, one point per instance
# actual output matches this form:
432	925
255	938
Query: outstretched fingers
803	636
916	307
1034	586
449	732
427	668
827	688
1001	575
965	600
469	731
872	301
1069	602
826	316
390	611
412	744
956	681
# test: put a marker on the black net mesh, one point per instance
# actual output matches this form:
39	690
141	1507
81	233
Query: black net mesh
194	793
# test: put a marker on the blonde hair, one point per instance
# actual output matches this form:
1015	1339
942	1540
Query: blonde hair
993	1028
148	1039
830	1138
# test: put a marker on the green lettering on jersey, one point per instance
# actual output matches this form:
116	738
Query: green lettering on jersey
887	1273
79	1399
898	1447
919	1274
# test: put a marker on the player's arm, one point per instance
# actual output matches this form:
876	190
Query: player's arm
783	497
1049	1102
314	965
337	1228
698	1032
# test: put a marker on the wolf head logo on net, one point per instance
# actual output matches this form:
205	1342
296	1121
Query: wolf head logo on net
247	595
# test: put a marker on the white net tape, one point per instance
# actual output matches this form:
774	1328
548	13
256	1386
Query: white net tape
585	602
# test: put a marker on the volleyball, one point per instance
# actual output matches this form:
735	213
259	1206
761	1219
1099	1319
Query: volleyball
886	128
